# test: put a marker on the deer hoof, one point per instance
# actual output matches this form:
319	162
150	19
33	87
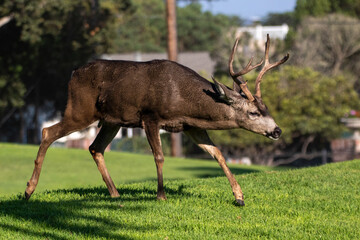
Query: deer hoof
115	195
27	195
161	198
240	202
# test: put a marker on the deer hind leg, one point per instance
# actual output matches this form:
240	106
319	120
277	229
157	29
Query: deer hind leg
153	136
97	148
49	135
201	138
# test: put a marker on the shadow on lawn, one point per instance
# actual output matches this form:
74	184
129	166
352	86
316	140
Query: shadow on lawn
216	171
126	194
91	216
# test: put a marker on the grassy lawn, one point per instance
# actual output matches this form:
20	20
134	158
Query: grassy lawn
310	203
64	168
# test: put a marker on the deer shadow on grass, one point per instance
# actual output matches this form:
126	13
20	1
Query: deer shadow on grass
215	171
59	220
85	212
79	212
127	193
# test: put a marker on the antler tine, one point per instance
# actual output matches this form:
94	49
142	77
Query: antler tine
231	60
267	66
248	67
237	76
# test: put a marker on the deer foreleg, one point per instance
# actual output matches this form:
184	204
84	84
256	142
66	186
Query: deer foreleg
201	138
153	136
97	148
49	135
45	143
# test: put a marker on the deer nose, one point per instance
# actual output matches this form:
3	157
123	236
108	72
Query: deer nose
276	133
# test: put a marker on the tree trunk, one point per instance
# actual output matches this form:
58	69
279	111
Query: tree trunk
336	68
176	142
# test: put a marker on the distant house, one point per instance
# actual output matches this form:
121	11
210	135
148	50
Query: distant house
348	148
82	139
258	33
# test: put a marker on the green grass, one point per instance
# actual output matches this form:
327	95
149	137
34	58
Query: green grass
311	203
64	168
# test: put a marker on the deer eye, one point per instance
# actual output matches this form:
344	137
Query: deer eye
254	114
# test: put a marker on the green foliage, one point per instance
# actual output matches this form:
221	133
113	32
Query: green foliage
200	31
314	8
139	144
143	27
331	27
308	103
47	39
310	203
222	50
303	102
279	19
336	37
320	8
134	144
12	89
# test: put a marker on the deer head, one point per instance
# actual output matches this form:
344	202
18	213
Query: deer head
251	113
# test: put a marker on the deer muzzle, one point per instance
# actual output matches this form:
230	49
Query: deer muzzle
274	135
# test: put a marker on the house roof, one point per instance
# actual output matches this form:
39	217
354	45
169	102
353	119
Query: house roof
200	62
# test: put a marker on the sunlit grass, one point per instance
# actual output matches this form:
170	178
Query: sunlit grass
310	203
65	168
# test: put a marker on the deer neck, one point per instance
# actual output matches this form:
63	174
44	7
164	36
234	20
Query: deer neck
219	116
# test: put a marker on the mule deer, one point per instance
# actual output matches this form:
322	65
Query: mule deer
156	95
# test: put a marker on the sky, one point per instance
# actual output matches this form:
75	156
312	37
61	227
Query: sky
247	9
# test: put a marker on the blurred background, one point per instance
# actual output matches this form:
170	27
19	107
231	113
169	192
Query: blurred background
313	97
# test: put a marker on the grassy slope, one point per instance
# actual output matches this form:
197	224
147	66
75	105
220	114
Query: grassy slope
311	203
64	168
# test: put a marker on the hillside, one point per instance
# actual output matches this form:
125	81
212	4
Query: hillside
311	203
65	168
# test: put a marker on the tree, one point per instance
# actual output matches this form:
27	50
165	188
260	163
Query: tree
306	104
45	40
222	50
246	49
279	19
334	41
200	31
12	89
320	8
143	27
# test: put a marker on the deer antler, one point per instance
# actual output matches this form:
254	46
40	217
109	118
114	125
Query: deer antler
267	67
237	76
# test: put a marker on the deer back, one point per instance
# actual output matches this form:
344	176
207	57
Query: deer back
159	90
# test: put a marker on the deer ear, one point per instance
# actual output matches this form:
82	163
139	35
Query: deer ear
223	91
